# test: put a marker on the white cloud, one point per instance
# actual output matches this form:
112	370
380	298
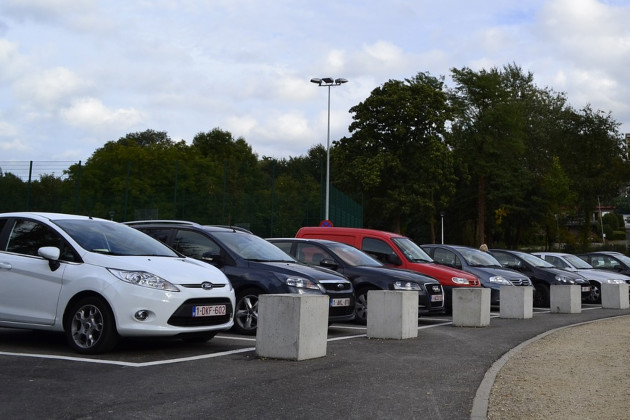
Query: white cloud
90	114
50	88
91	71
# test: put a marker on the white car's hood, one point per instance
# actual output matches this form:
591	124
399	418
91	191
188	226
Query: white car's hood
173	269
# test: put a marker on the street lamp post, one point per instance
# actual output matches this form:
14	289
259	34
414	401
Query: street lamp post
328	82
442	227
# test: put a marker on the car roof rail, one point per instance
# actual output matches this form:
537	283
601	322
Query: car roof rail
173	222
235	228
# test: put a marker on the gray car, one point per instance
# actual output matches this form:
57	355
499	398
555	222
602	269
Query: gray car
576	264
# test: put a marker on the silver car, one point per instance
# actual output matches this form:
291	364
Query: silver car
576	264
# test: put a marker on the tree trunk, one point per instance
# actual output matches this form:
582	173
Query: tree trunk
481	210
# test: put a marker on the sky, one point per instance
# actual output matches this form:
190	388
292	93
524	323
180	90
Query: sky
75	74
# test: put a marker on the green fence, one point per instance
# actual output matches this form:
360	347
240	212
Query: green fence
272	206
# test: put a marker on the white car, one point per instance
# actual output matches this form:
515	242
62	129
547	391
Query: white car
595	276
98	280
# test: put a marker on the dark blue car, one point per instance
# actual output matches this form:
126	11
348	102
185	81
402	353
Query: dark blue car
482	264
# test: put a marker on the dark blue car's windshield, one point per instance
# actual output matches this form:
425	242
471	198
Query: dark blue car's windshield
252	247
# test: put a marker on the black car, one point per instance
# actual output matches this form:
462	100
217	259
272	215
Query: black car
542	274
608	260
365	272
253	266
482	264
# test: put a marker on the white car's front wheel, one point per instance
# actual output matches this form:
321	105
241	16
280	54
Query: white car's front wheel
90	326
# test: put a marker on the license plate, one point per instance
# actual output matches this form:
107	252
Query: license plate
437	298
209	310
586	288
334	303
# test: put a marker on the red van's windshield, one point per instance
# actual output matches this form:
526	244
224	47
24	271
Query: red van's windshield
412	252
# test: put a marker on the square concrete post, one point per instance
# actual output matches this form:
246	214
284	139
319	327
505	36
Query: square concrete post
392	314
565	299
471	307
292	326
517	302
615	296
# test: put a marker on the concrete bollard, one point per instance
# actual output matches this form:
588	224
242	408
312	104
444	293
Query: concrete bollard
392	314
471	307
517	302
615	296
565	299
292	326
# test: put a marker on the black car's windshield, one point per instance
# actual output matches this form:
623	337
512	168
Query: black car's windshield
412	251
252	247
477	258
113	238
352	256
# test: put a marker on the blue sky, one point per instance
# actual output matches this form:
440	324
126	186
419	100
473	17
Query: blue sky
75	74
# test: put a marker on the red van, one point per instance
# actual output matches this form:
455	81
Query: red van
397	251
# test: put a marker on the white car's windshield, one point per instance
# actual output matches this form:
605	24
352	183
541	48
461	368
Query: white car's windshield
112	238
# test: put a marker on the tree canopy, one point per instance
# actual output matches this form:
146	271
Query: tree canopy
499	159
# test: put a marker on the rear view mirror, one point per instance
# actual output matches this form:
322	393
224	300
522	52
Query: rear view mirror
329	263
51	253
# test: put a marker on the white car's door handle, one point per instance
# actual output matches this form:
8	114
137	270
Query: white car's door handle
5	265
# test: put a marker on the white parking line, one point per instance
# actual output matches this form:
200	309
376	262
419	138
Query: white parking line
128	364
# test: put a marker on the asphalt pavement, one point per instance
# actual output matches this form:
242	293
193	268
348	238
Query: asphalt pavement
438	375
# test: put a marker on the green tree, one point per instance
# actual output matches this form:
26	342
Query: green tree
396	156
592	154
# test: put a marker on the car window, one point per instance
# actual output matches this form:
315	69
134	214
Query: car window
27	236
352	256
251	247
507	260
159	234
106	237
378	249
194	244
445	257
557	262
411	250
285	246
311	254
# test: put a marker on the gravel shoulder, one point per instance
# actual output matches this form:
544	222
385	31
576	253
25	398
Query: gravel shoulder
579	372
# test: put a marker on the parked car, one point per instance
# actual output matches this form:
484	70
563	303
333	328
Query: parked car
364	272
395	251
254	266
482	264
608	260
96	280
576	264
542	274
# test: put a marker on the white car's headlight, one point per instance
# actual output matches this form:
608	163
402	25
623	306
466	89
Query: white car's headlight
142	278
